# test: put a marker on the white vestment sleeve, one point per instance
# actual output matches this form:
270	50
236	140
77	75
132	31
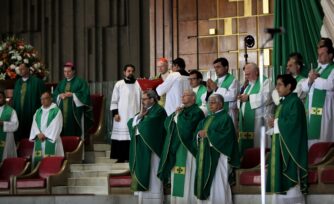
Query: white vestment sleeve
76	100
265	91
12	125
231	93
115	97
305	85
325	84
167	84
54	129
58	99
34	129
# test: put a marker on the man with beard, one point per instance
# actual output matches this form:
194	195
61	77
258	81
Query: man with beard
125	103
178	155
147	137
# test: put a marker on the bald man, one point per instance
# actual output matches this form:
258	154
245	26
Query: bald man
250	114
162	65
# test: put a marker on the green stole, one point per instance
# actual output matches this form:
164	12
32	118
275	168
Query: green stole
72	114
5	116
150	139
318	100
288	156
201	90
221	136
226	84
50	147
247	120
179	140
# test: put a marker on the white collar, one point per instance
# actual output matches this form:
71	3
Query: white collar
25	78
50	107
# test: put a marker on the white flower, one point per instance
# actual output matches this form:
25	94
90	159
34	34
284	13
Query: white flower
20	47
17	70
12	66
2	76
1	63
37	65
26	61
33	54
18	57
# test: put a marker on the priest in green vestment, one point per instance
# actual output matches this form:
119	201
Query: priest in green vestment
196	83
45	130
217	154
8	125
147	135
26	100
178	155
73	98
287	169
320	99
250	113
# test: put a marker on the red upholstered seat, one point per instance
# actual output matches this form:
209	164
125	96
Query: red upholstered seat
50	166
70	143
4	184
25	148
11	167
31	183
327	176
120	181
97	101
250	178
251	158
318	151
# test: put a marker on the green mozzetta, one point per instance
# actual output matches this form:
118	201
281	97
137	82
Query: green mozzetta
288	156
71	113
26	101
179	140
221	136
5	116
152	135
318	100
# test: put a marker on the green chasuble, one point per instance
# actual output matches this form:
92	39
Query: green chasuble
247	119
318	100
152	135
221	136
72	114
26	100
288	155
5	116
201	90
180	137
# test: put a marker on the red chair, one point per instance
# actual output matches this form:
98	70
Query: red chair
51	171
25	149
95	132
120	183
11	167
248	177
73	147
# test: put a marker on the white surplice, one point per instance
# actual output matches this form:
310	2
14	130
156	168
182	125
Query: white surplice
256	104
327	120
125	98
52	132
220	191
9	127
174	86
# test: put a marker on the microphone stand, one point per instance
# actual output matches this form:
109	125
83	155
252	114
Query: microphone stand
262	129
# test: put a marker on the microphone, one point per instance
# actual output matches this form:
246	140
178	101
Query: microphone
273	31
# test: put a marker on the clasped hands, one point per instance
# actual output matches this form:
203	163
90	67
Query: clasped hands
66	95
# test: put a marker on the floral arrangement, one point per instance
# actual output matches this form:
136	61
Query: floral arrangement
13	52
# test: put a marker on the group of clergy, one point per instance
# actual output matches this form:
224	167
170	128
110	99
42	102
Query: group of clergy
43	116
195	135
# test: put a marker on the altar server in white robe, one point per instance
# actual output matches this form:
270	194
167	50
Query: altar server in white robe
8	125
250	113
174	86
125	103
45	130
320	99
225	85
